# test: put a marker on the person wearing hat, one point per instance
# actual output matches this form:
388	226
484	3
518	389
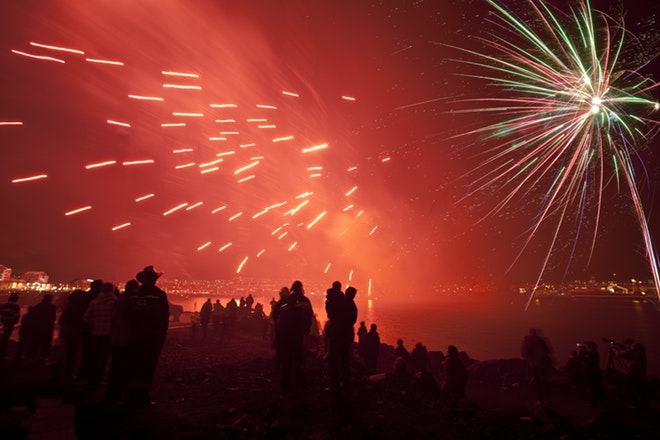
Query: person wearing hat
147	314
10	312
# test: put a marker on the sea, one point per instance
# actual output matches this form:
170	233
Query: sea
493	326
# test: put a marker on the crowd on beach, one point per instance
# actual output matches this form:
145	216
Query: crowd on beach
114	338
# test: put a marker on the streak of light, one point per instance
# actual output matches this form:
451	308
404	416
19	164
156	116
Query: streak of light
351	191
184	150
58	48
240	266
373	230
208	164
173	124
260	253
205	245
303	195
246	167
122	226
386	159
148	196
352	169
185	165
257	158
282	236
295	95
182	87
315	148
194	206
235	216
146	98
314	168
348	207
293	246
225	133
245	179
369	288
100	164
79	210
138	162
209	170
223	105
266	106
359	214
11	123
257	120
260	213
327	268
217	138
28	179
224	247
278	229
98	61
219	209
341	234
319	217
188	75
121	124
348	98
38	57
176	208
267	126
225	121
297	208
189	115
225	153
286	138
350	275
315	175
246	145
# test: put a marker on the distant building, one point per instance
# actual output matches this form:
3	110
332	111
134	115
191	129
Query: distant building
5	273
36	277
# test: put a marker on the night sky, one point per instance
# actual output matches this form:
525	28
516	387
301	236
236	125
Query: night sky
354	171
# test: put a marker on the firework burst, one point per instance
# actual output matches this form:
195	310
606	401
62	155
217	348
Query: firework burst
570	118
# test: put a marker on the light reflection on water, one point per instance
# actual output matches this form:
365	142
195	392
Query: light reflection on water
493	327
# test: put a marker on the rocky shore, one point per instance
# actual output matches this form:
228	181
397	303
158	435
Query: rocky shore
213	389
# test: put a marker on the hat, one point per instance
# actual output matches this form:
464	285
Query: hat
148	274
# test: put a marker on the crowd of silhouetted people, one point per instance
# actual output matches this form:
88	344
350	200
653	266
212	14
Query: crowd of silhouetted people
115	338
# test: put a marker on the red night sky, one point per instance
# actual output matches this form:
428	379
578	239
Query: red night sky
282	138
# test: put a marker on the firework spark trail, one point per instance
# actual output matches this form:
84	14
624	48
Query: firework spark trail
566	109
211	160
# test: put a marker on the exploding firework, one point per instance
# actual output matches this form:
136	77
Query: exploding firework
568	118
242	175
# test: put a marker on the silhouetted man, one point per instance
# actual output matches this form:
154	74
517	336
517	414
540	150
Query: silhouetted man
294	322
147	314
342	314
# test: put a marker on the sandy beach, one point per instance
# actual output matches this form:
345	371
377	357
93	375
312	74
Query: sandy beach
208	388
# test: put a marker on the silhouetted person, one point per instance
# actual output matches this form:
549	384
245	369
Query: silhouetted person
536	353
10	314
249	301
371	349
634	356
99	316
274	317
205	316
575	373
455	375
87	350
71	328
593	375
362	333
218	310
419	357
339	330
41	327
400	351
120	336
147	314
294	322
